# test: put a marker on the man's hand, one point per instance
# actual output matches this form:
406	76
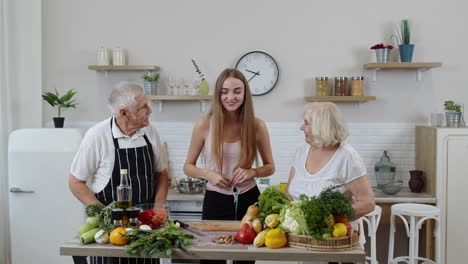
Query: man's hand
241	175
217	179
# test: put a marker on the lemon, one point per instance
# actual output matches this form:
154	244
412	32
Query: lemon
340	230
272	220
116	237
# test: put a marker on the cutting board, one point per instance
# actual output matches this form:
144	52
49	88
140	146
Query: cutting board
209	225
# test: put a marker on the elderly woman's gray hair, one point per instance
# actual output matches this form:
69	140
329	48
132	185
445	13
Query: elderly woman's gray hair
327	123
123	96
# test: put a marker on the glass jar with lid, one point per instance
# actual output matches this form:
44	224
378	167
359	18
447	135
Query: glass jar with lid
384	170
357	86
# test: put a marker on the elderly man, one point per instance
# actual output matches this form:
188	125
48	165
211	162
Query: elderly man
126	140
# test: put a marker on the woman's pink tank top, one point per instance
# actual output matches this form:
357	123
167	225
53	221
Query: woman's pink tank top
231	158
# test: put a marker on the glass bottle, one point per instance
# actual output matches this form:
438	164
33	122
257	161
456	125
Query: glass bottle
124	191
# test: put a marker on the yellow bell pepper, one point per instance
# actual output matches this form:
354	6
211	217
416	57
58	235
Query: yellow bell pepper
275	239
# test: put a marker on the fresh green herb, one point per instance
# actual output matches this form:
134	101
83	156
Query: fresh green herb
317	210
151	77
339	203
315	213
101	213
450	106
157	243
270	202
93	209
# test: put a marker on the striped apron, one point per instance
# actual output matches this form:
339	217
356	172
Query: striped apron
139	164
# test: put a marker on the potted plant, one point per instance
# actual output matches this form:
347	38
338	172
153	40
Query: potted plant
404	41
452	113
382	52
204	87
60	102
151	82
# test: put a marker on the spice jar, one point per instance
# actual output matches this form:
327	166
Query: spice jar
357	86
132	214
340	86
321	86
117	217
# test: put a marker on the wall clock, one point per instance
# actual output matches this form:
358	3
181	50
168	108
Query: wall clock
261	70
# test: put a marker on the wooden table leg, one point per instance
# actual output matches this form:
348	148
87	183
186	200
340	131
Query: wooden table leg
430	239
79	260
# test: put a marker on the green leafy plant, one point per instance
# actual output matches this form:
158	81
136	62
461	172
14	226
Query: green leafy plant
404	36
197	69
450	106
151	77
55	100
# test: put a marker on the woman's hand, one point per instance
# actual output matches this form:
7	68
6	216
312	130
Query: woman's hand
241	175
217	179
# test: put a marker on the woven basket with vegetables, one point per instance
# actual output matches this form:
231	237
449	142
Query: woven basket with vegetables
320	223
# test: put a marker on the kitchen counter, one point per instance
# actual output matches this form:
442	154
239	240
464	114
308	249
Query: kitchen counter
209	250
175	195
404	196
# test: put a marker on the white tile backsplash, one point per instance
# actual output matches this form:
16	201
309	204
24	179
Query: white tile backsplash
369	139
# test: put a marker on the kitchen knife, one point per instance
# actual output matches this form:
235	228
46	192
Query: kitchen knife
186	226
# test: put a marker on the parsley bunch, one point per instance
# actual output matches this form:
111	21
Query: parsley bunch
157	243
317	210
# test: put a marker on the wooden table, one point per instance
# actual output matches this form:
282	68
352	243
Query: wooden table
201	251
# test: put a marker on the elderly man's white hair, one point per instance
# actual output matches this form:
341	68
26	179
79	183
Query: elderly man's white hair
123	96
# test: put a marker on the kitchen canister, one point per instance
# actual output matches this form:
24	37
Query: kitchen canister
357	86
119	56
103	56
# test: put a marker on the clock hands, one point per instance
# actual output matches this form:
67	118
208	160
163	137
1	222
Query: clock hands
254	74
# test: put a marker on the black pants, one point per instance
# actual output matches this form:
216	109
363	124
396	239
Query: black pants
217	206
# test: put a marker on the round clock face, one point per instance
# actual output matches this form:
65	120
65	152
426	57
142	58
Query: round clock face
261	71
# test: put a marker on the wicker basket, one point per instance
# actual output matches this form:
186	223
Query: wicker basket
329	244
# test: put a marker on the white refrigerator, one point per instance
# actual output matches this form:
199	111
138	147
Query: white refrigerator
43	212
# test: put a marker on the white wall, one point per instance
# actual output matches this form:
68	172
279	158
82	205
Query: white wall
25	65
307	38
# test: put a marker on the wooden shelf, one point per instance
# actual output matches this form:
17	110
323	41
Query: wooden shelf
123	68
160	99
402	65
339	98
418	66
179	97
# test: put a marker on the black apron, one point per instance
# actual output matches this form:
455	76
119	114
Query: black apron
139	164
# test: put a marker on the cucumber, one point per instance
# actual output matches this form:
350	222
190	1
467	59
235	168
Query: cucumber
93	220
85	228
88	237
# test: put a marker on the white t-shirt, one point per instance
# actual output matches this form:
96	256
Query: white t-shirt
95	158
343	167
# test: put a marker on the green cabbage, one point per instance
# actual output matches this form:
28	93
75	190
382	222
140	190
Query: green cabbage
293	220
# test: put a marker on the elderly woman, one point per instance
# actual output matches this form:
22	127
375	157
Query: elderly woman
324	160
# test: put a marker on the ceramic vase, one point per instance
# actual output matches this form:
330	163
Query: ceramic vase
416	182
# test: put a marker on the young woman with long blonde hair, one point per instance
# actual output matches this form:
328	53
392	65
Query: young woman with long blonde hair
231	136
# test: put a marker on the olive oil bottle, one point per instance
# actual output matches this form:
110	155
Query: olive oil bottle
124	194
124	191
